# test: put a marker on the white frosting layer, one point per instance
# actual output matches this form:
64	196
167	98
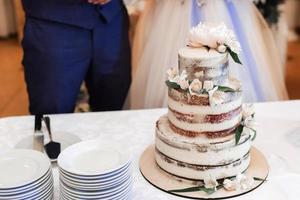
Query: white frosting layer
163	125
193	173
203	127
200	153
204	110
202	57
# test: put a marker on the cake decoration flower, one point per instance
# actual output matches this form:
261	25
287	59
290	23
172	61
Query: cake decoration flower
241	182
248	110
244	182
229	185
195	87
208	85
173	75
233	83
210	182
216	97
217	37
184	84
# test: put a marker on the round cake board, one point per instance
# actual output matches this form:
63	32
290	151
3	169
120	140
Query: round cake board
258	168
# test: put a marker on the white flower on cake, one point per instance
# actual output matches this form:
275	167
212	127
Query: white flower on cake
241	182
210	182
244	182
199	74
173	75
248	110
229	185
184	84
216	97
233	83
249	122
195	87
221	48
183	75
217	37
208	85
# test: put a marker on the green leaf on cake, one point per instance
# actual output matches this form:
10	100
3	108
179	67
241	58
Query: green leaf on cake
190	189
195	189
208	190
234	55
172	85
254	135
238	133
225	89
259	179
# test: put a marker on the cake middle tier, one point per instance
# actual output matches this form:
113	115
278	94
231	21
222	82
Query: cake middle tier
192	117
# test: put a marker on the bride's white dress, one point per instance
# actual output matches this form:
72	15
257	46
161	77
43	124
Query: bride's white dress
163	29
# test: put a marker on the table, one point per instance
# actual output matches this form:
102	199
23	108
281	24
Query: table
278	138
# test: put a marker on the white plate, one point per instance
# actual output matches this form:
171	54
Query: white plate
45	195
32	194
65	139
119	187
29	186
87	195
20	167
34	191
103	177
95	181
95	187
124	194
93	157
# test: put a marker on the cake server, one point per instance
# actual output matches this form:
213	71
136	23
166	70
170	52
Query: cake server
52	148
38	136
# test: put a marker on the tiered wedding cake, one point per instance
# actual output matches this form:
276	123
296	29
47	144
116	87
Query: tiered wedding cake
207	131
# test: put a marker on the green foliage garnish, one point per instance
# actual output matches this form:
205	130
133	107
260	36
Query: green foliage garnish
238	133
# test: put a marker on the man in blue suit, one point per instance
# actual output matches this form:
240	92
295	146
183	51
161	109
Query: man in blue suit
67	42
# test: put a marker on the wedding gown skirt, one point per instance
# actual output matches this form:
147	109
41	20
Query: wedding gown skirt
163	29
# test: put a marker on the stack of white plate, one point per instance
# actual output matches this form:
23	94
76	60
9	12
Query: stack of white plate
95	170
25	174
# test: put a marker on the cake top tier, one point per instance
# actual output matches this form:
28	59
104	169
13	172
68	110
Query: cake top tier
215	37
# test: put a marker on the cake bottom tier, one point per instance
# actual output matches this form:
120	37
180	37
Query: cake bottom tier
198	157
200	172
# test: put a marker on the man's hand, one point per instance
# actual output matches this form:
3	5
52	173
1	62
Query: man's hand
101	2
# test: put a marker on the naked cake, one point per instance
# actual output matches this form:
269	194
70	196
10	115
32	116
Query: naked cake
207	130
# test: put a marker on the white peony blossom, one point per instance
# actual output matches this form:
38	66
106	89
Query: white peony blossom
248	110
233	83
216	97
199	74
241	182
173	75
221	48
244	182
208	85
217	37
183	75
250	123
229	185
195	87
210	182
184	84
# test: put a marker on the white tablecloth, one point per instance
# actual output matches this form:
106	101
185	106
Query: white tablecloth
278	138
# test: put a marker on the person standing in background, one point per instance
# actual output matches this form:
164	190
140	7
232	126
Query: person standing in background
67	42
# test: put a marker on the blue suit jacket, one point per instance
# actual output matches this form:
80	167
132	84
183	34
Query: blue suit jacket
73	12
